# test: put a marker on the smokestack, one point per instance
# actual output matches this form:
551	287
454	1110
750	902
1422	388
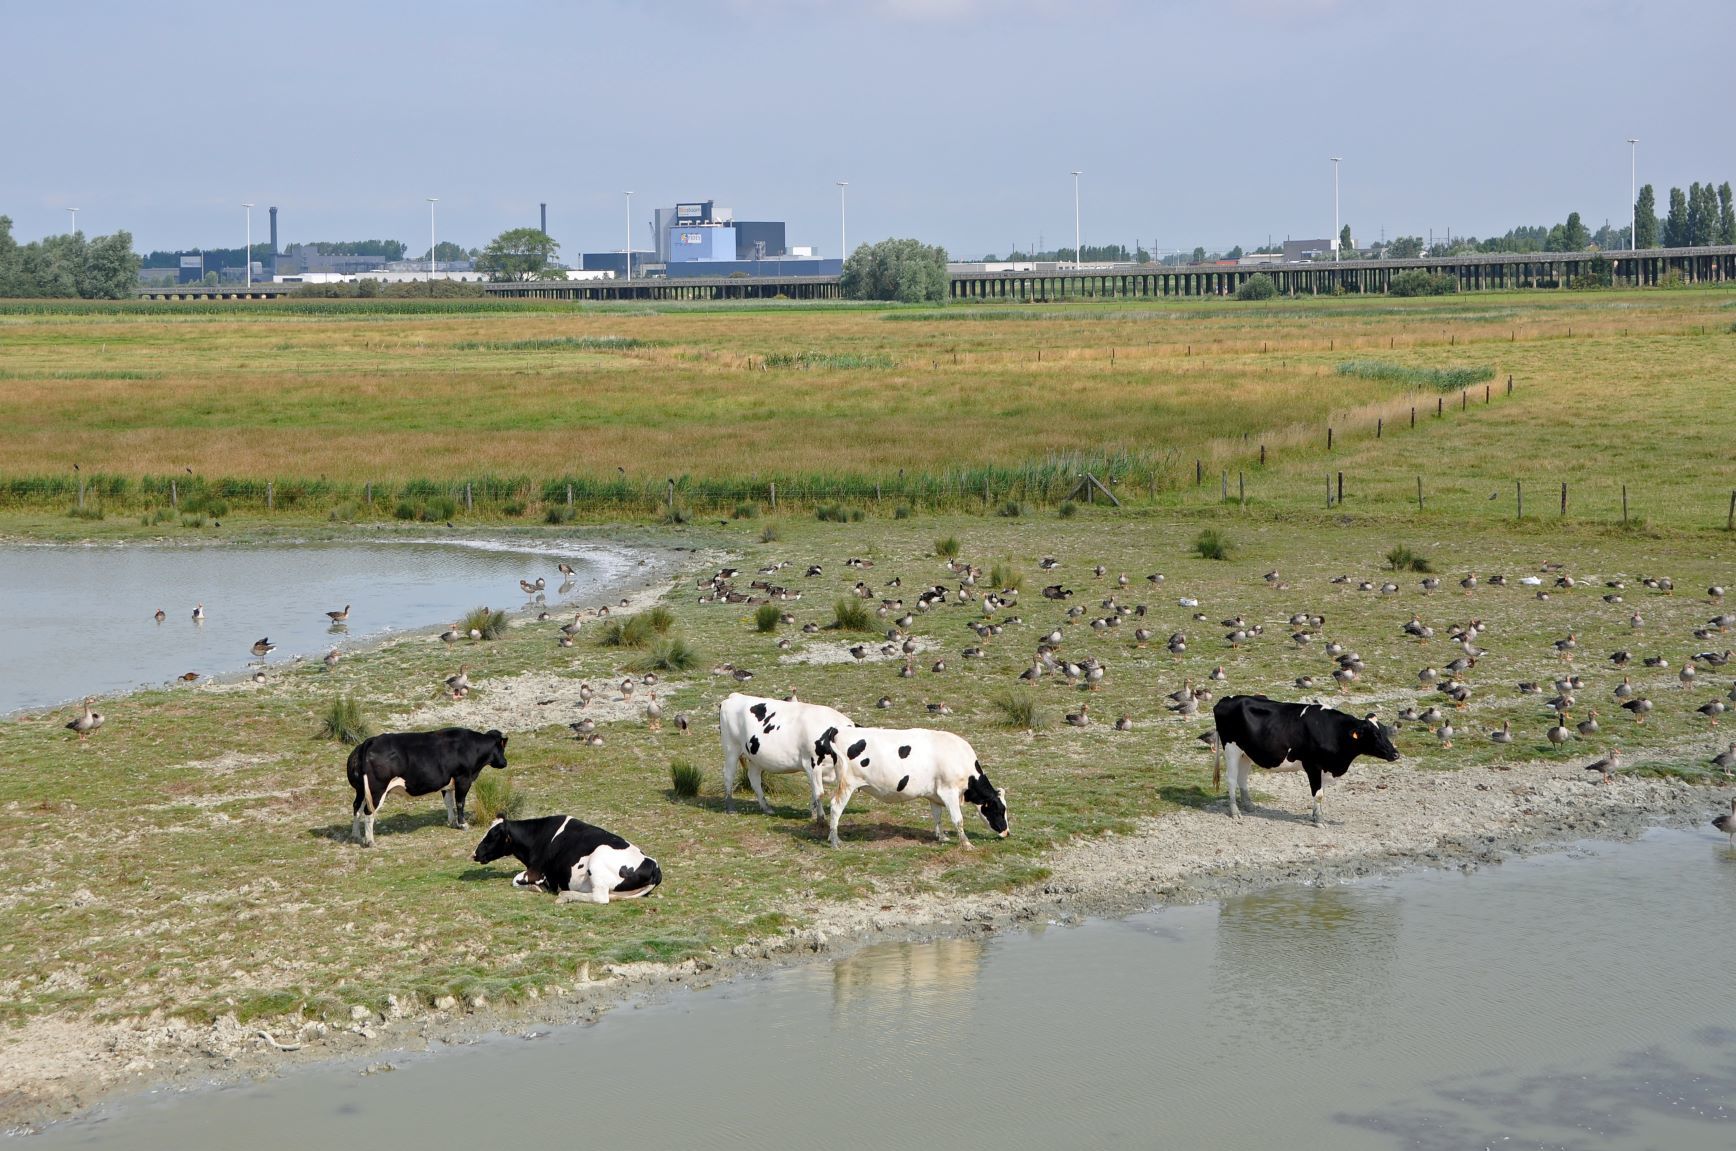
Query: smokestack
273	243
545	219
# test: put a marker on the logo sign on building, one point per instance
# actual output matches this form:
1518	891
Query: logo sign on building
192	261
691	238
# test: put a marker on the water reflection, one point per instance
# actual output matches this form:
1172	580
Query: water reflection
931	980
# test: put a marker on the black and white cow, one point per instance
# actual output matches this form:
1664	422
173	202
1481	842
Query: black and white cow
1288	736
420	763
776	737
562	854
913	764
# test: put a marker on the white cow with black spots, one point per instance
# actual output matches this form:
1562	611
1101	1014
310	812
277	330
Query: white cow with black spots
776	737
914	764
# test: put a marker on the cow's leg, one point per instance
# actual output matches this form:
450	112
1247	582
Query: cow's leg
934	810
757	781
839	803
451	811
816	790
952	809
730	764
362	821
1234	765
1316	785
460	791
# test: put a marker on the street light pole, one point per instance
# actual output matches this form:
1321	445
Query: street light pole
843	241
629	196
1076	250
432	246
1633	193
247	253
74	212
1335	244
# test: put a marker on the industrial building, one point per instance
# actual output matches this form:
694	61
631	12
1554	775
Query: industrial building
696	238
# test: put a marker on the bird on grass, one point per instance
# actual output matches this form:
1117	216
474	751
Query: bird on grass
1080	718
1725	761
654	713
1588	725
681	722
583	727
459	684
627	686
331	658
1712	709
585	693
87	722
1607	764
259	676
451	635
1638	707
1727	823
1557	735
1445	733
1505	735
1125	723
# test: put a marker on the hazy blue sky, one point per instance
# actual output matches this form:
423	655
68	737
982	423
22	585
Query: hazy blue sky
956	121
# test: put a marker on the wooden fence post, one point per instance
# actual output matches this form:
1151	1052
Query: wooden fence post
669	497
81	491
1730	520
469	506
270	495
1564	499
1199	473
1519	499
1241	487
1328	489
1419	493
1509	385
1379	426
174	495
368	492
1413	415
1262	455
569	495
1624	505
1440	406
1224	486
1328	437
1486	393
774	497
1465	399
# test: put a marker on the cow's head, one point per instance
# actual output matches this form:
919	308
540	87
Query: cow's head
496	756
1367	738
990	800
495	845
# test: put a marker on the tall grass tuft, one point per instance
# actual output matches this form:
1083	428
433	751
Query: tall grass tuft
1401	558
851	615
1443	379
672	654
766	617
493	797
946	547
1011	509
1005	576
343	721
1067	510
1212	544
822	361
771	533
1020	709
684	779
489	623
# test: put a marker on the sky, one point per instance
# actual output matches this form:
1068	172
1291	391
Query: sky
958	122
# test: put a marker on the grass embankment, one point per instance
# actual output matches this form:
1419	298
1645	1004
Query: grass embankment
936	408
193	857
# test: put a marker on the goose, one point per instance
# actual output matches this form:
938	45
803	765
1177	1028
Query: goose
1095	672
1624	689
1185	692
583	726
1530	687
859	653
1389	588
1469	583
1725	761
939	666
1621	658
199	613
1732	689
188	676
331	658
595	739
940	708
1565	647
572	627
1218	674
1639	707
1187	707
1714	659
259	676
263	647
460	683
1154	578
1557	734
741	674
627	686
1141	636
1305	682
1430	583
1505	735
1099	571
86	723
1636	620
1445	734
682	722
654	712
451	634
1344	676
1727	823
339	616
1498	580
565	569
1613	598
564	641
161	615
1686	675
649	679
1712	709
585	693
1080	718
1561	704
1655	661
1609	763
1588	725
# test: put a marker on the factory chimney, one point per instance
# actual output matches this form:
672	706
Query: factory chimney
274	243
545	219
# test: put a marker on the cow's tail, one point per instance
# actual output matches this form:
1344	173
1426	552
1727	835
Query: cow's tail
353	765
1217	764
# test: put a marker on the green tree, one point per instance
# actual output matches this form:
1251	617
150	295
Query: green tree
1199	255
1234	253
1726	215
517	254
905	270
1646	219
1676	223
1574	235
447	252
1344	244
1702	215
111	268
1405	248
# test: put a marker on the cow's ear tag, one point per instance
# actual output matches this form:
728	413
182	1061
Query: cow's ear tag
1354	735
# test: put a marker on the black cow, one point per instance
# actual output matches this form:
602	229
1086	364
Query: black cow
1252	728
562	854
420	762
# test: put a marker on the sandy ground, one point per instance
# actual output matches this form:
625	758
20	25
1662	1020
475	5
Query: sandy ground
1380	818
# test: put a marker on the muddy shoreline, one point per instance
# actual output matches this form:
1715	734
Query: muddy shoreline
1382	820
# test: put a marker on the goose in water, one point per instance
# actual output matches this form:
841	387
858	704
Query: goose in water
86	723
263	647
339	616
1727	823
199	613
161	615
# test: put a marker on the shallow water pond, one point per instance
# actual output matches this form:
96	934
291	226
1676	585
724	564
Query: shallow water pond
1581	1000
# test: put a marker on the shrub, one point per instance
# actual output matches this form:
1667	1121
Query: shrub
832	514
1402	558
493	797
668	655
404	511
487	622
192	521
558	514
634	631
851	615
684	778
746	511
905	511
343	721
1212	544
766	616
946	548
1416	282
1258	286
1004	575
771	533
1020	709
513	508
1011	509
93	512
1068	509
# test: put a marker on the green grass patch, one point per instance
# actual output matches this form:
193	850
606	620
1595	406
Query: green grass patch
493	797
767	616
1440	379
342	720
829	361
1211	544
1019	708
672	654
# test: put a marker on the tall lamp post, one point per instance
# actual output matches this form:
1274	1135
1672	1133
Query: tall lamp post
1633	193
1335	245
74	212
247	252
629	196
1077	254
843	244
432	246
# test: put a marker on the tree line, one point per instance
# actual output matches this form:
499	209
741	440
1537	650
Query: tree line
66	267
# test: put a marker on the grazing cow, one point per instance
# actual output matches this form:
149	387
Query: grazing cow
913	764
563	854
420	762
1287	736
776	737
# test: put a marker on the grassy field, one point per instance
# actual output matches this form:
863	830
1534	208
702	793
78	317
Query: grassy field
933	407
191	859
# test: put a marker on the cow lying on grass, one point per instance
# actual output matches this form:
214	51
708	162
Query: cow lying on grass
775	737
915	764
419	762
1287	736
569	856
